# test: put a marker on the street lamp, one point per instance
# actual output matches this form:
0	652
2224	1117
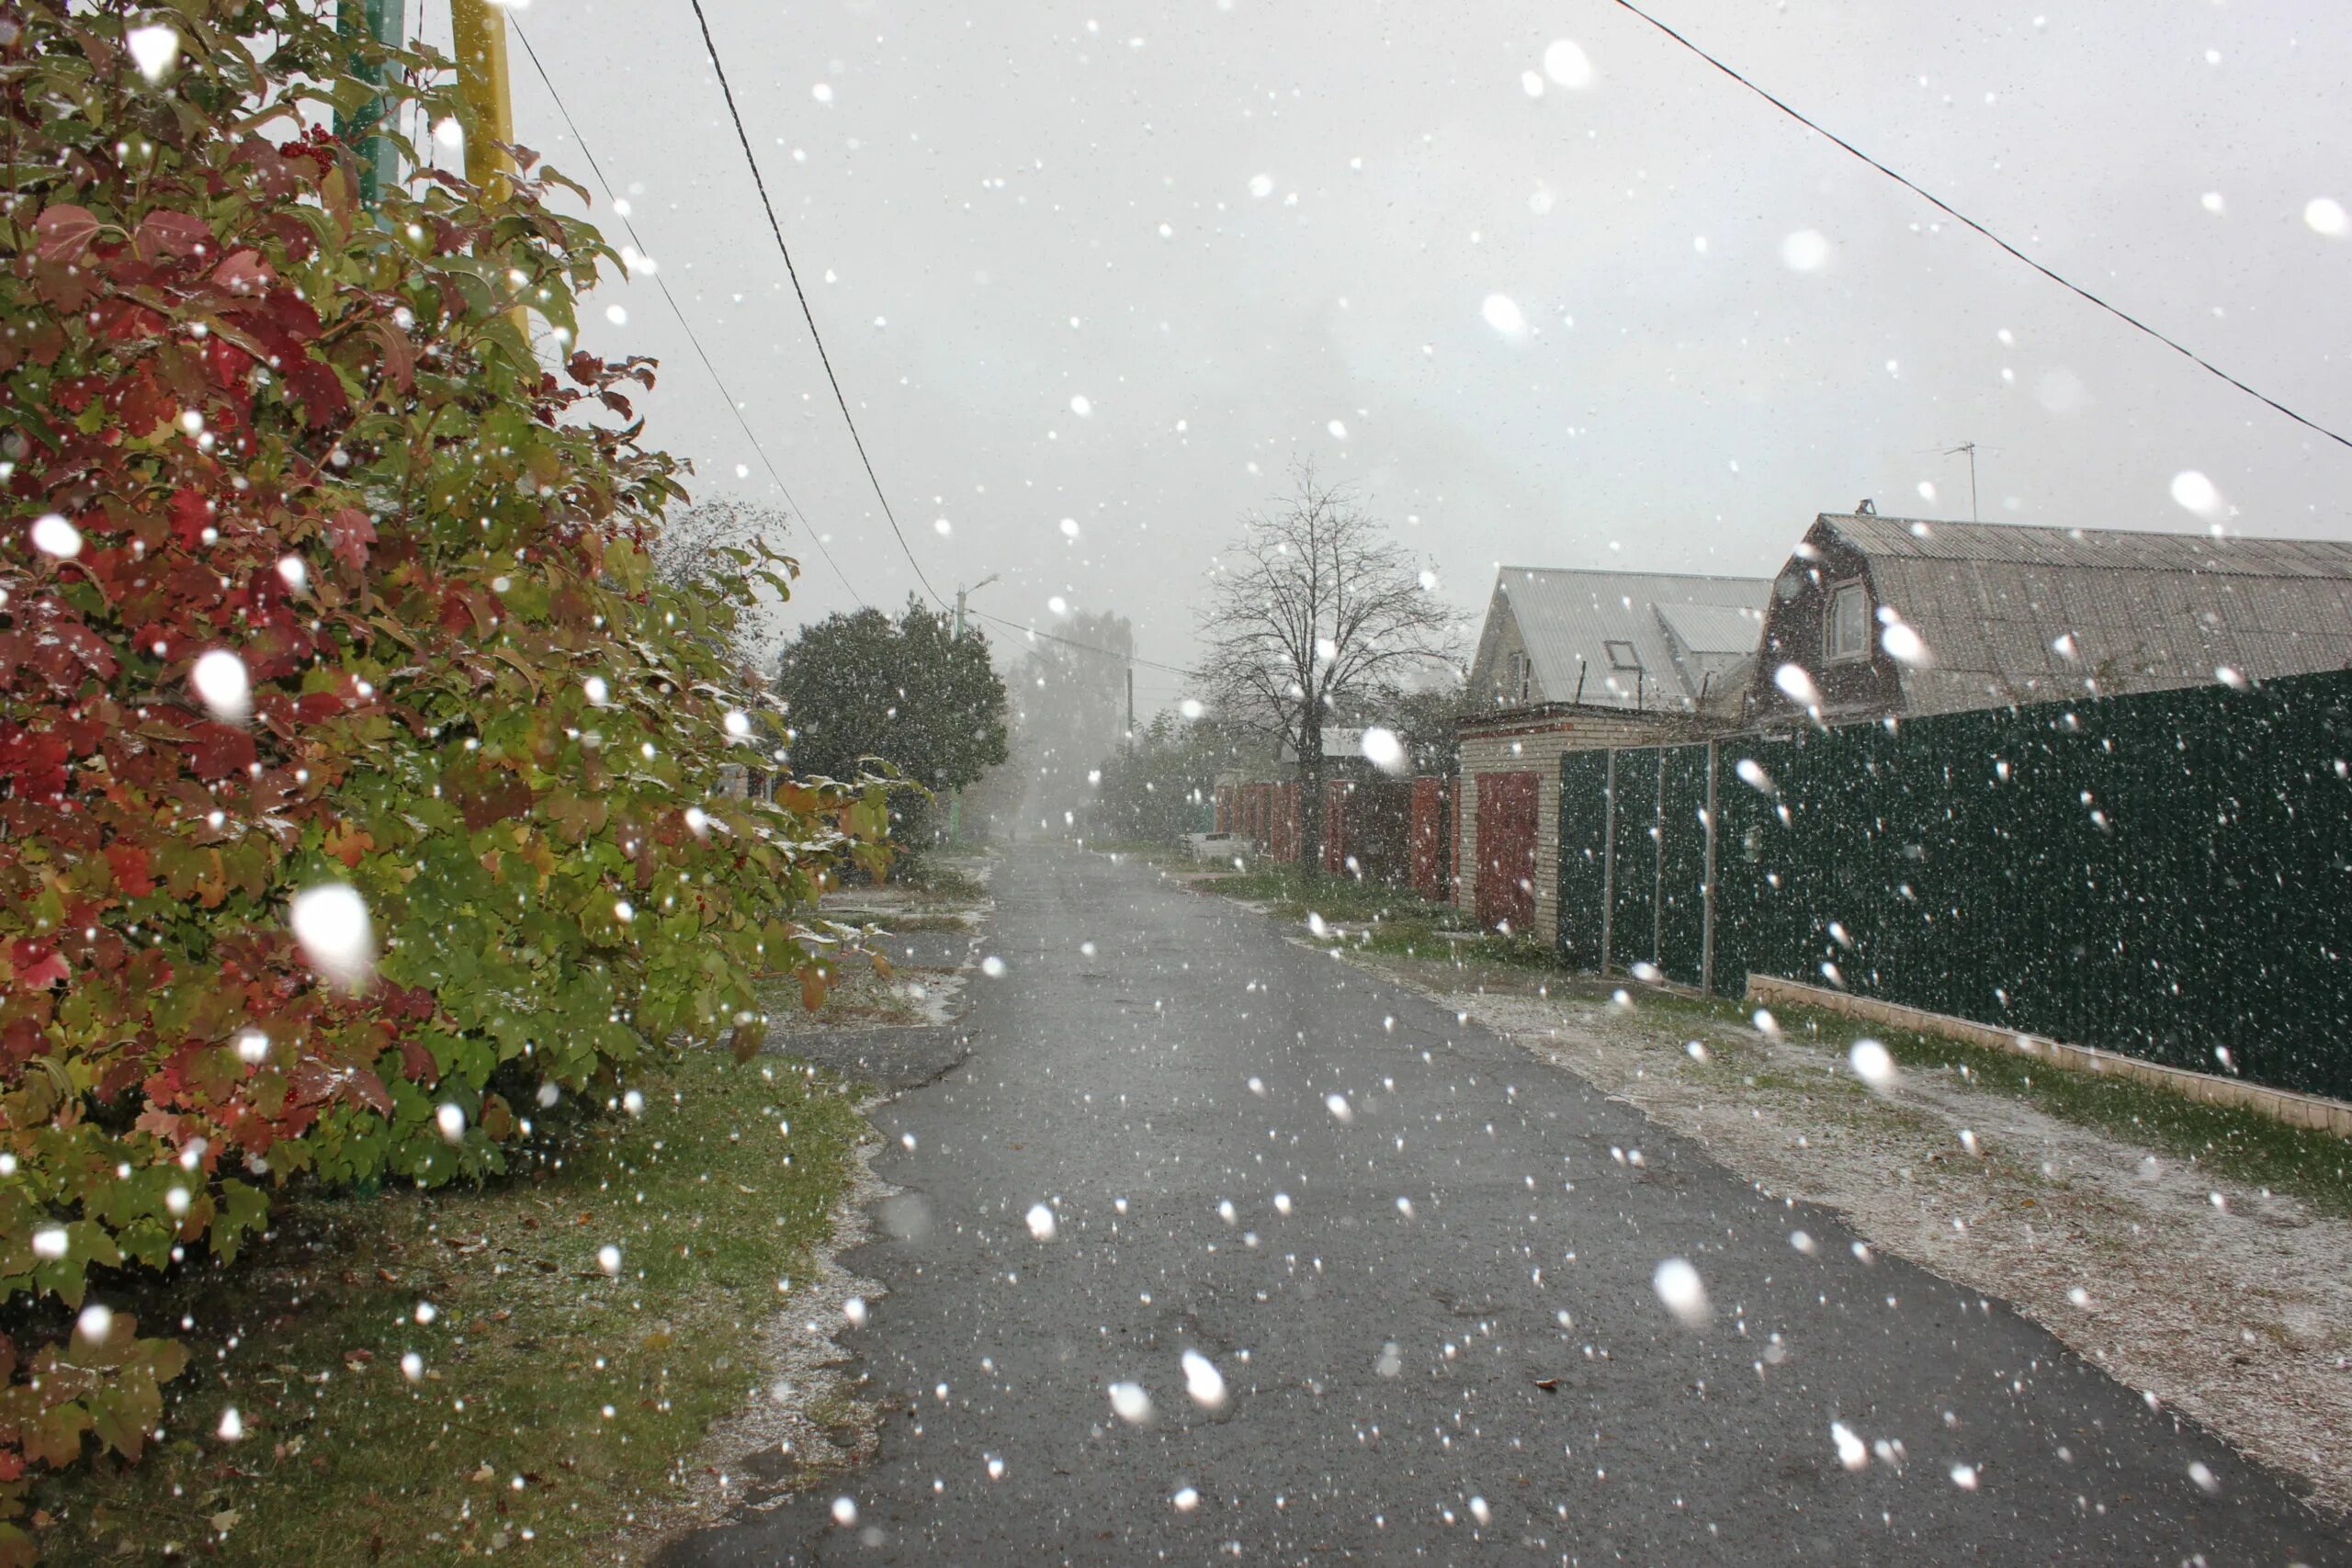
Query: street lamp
959	601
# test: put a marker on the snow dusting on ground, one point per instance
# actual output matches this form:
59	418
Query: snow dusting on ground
2236	1313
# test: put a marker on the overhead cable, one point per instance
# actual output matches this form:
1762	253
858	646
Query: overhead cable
777	229
1958	216
1085	646
688	327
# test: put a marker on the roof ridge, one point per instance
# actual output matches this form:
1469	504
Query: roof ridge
1628	571
2069	530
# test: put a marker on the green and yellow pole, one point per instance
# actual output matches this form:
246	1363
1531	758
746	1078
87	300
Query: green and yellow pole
486	106
480	32
385	22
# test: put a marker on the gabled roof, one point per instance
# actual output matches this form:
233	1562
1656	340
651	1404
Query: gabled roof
1568	618
1713	628
2140	611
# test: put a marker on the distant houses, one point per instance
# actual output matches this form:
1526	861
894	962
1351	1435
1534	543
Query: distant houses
1872	617
1571	661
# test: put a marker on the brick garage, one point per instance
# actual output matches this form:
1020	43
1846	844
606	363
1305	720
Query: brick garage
1575	660
1531	742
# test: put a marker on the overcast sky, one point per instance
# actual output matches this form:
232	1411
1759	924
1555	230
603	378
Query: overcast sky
1247	232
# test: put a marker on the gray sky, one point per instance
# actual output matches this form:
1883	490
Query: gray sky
1229	223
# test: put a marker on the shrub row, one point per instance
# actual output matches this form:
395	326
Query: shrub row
313	578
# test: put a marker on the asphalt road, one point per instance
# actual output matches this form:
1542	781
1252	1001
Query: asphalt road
1433	1304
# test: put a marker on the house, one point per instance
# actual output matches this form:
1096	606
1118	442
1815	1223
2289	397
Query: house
1877	616
1571	660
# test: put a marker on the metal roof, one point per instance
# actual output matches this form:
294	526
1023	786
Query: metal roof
2140	612
1568	618
1714	628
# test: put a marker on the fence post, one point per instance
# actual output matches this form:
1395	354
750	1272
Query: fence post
1608	858
1657	865
1707	890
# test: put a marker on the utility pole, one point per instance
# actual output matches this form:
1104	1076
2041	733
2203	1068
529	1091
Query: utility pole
1969	448
956	800
960	592
480	31
385	22
1131	704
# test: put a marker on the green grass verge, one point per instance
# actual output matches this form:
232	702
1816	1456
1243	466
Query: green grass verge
2232	1141
537	1365
1378	917
906	925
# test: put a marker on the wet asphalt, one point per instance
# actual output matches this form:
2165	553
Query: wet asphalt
1451	1348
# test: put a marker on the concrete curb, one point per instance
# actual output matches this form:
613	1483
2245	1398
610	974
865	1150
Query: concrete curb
2295	1109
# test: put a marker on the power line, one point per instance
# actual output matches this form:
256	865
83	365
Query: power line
1085	646
686	326
1945	207
794	272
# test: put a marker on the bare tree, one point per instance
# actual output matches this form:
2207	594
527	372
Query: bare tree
725	547
1312	608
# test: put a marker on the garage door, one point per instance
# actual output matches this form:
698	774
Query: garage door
1507	851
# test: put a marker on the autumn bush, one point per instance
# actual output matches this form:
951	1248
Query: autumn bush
312	576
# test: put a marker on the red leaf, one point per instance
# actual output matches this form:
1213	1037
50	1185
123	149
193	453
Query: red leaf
368	1091
167	233
318	389
126	321
227	364
145	403
399	354
130	873
351	533
191	515
64	231
37	971
243	272
220	750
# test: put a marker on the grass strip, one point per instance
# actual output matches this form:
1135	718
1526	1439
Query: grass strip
556	1394
1379	918
2232	1142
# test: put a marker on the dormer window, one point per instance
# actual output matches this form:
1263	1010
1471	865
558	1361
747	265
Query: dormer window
1847	634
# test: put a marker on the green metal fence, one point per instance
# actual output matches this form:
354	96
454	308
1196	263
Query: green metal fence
2167	875
1584	857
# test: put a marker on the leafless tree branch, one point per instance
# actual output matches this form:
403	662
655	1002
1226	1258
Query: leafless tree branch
1310	609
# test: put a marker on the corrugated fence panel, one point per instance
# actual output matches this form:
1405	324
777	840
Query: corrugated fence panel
2167	875
1683	862
1633	923
1583	819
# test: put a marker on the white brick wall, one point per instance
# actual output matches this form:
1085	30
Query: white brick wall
1536	744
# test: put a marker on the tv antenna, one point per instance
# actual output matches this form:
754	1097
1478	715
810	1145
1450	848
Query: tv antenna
1969	448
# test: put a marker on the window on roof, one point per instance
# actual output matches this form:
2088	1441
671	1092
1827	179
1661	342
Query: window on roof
1621	655
1847	632
1515	677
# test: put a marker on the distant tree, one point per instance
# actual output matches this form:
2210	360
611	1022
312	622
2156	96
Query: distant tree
1070	705
1312	610
727	546
908	692
1162	786
1423	718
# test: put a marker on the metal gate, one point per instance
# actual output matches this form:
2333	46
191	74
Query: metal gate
1506	891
